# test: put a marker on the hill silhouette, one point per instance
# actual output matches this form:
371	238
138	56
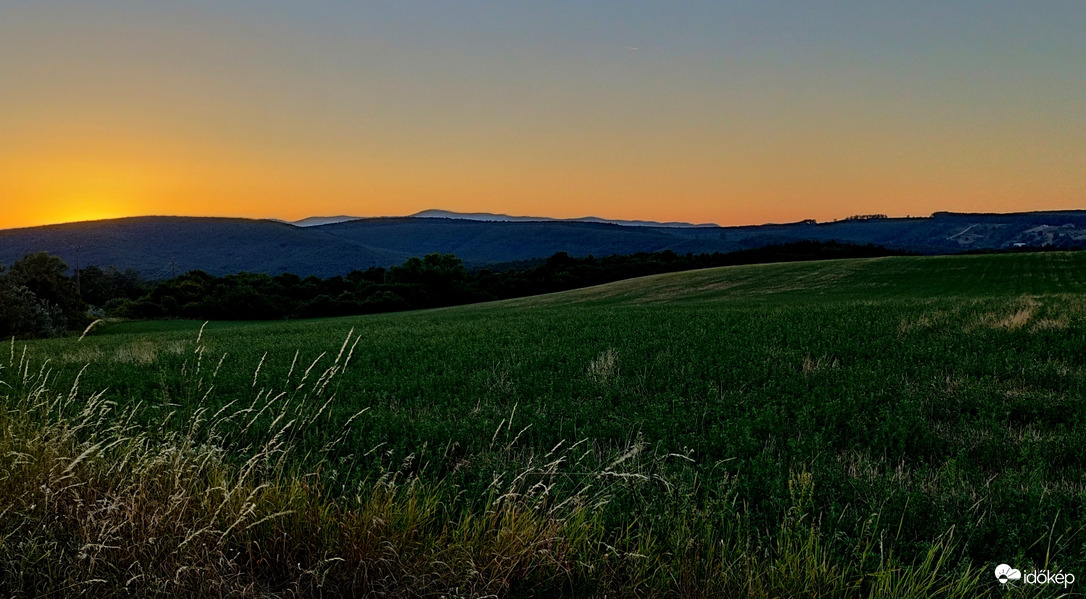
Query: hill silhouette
161	247
164	246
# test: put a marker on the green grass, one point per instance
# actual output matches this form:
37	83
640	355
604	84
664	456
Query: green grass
884	427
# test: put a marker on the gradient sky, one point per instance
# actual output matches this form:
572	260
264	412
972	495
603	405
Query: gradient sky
726	112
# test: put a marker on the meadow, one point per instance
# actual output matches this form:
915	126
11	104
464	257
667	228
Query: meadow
875	427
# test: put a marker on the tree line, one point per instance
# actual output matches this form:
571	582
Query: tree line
38	297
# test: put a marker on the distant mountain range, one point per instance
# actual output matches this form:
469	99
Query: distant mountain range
164	246
316	221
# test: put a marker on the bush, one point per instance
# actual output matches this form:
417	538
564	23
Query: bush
118	307
22	314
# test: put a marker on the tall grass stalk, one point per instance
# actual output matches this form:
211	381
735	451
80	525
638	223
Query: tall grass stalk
223	503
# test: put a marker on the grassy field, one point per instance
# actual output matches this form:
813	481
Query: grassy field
882	427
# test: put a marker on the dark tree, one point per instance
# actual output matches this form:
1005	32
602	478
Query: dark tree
46	277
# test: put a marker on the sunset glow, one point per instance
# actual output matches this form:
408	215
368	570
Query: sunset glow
750	114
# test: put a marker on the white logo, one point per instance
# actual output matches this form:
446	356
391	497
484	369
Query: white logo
1005	573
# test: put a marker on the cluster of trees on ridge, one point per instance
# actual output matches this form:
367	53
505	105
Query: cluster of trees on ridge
38	298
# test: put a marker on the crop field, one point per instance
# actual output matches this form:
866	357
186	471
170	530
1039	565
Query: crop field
879	427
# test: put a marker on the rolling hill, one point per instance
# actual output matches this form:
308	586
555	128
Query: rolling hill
163	246
160	247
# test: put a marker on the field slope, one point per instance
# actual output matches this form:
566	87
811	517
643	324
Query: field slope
882	427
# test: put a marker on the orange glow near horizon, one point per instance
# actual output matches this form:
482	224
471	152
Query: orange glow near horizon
59	189
75	197
724	115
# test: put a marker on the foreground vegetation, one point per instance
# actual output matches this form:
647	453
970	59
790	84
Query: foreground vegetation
886	427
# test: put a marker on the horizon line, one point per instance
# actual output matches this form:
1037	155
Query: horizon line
455	215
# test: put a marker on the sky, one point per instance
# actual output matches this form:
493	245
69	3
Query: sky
724	112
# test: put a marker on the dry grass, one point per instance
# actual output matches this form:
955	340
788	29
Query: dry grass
932	319
92	504
1018	319
1021	311
147	352
811	365
604	367
1050	324
90	328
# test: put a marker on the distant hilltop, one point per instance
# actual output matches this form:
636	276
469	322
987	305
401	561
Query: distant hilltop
316	221
165	246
